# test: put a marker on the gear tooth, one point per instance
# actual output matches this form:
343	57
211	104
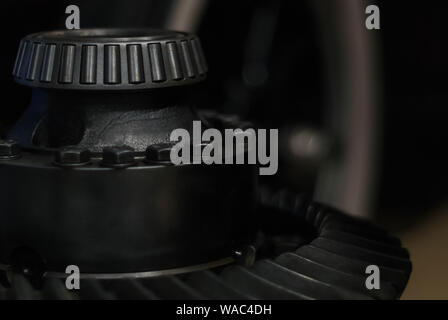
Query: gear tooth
198	56
19	59
157	63
136	71
112	64
67	64
22	67
46	74
187	60
174	61
34	61
88	64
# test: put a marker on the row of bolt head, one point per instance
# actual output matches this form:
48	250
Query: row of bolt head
9	149
114	156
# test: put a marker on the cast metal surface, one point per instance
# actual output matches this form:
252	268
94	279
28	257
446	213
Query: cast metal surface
86	180
101	192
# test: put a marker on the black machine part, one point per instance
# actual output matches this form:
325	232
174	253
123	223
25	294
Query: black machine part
100	191
86	181
321	254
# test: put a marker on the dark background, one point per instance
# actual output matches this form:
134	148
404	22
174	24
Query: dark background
411	48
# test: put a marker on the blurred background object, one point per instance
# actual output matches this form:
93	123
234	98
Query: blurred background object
361	113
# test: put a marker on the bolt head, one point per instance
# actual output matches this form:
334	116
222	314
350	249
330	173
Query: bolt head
246	256
118	156
160	152
72	156
9	149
